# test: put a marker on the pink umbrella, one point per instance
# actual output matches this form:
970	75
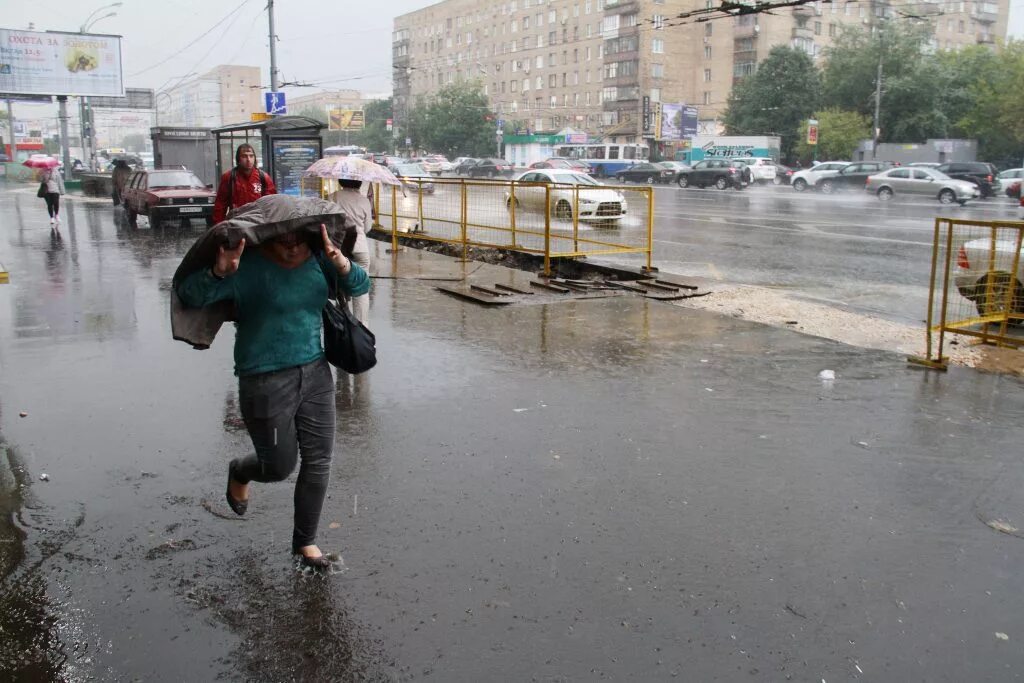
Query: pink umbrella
40	161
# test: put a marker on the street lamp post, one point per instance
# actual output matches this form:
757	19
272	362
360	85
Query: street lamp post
88	144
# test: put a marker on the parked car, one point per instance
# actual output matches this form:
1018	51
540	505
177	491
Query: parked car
676	167
762	170
853	176
810	177
166	195
380	158
783	174
978	172
646	172
721	173
596	202
921	181
465	165
414	177
433	164
985	280
925	164
1013	189
490	168
561	162
1010	180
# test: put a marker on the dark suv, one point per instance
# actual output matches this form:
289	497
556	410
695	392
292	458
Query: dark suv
722	173
978	172
854	176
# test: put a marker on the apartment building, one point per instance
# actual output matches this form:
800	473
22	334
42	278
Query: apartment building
593	64
327	100
227	94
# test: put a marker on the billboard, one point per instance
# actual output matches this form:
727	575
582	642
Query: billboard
678	121
52	63
345	119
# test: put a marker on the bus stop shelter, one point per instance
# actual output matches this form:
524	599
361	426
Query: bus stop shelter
285	147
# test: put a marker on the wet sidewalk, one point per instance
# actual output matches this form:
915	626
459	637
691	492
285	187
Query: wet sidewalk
610	489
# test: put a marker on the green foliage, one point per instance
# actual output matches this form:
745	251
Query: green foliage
839	133
375	136
455	121
994	113
775	100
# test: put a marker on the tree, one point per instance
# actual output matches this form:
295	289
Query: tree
914	84
134	142
839	133
375	136
996	102
455	121
773	101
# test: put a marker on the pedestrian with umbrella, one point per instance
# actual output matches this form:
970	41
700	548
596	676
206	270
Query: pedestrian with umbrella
51	186
351	173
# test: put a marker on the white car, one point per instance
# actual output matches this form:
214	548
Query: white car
809	178
436	164
921	181
596	202
983	276
761	170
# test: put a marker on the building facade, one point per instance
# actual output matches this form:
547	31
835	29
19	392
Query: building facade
327	100
228	94
592	64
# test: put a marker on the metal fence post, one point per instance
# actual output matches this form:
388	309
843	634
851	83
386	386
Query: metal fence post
463	220
575	219
547	231
650	228
394	219
512	209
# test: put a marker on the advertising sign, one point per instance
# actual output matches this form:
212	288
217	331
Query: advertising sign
646	115
812	132
52	63
345	119
291	158
678	121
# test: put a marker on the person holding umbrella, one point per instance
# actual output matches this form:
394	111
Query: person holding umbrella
50	189
351	174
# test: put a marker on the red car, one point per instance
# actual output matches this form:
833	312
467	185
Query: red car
1013	189
558	162
166	196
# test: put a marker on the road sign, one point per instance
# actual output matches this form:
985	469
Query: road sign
812	131
390	124
345	119
501	123
275	103
408	141
259	116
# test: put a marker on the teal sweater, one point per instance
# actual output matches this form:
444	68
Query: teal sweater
278	309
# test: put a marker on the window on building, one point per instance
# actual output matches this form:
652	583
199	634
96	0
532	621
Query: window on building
817	28
553	101
552	16
539	61
707	52
707	75
655	95
708	28
610	24
658	70
960	27
707	97
538	82
553	81
741	69
552	38
588	98
526	84
526	23
659	21
832	30
658	46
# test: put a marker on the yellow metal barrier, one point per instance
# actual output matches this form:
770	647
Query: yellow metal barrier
552	220
977	285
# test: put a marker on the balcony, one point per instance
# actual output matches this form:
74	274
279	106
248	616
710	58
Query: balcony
621	6
747	31
803	11
986	39
803	32
985	17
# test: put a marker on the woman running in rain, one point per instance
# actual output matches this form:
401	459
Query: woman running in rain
285	386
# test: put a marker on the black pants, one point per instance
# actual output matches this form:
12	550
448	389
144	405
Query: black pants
290	413
52	203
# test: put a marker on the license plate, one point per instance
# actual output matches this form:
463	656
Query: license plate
191	209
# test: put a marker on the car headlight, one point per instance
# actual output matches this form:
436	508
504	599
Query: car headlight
166	201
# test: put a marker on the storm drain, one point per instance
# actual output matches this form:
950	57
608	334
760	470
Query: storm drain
563	289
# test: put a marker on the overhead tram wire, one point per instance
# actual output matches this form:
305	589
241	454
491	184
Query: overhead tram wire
192	69
196	40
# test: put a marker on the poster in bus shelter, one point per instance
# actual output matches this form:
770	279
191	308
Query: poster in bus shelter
291	158
678	121
54	63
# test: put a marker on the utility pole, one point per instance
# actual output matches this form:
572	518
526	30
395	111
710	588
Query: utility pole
273	47
878	108
65	141
10	129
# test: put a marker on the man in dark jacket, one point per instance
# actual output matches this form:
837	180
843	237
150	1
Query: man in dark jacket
242	184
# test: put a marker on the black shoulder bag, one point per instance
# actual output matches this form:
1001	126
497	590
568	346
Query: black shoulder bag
348	343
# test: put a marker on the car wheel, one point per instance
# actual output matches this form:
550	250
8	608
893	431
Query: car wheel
776	180
947	196
620	178
827	187
721	182
491	174
650	180
508	204
997	285
684	181
799	184
563	210
884	194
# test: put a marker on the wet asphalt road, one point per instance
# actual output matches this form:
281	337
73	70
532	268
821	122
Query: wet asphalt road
605	490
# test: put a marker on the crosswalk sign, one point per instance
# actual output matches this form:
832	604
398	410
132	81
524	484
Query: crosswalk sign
275	103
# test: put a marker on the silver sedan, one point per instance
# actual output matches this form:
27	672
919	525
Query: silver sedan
921	181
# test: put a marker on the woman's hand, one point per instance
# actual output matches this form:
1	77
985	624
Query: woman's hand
334	254
228	259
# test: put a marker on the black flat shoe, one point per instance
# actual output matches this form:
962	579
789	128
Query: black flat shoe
237	506
321	563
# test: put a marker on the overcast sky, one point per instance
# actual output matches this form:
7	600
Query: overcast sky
341	44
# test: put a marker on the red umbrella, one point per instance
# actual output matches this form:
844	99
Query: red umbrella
40	161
